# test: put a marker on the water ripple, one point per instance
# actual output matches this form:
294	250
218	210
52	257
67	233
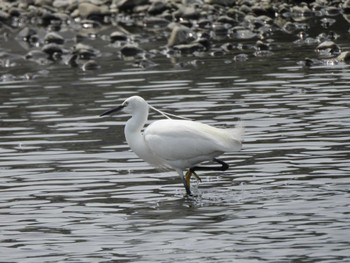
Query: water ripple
71	191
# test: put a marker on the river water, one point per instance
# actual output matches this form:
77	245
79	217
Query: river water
72	191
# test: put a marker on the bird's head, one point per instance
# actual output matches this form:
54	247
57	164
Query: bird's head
130	105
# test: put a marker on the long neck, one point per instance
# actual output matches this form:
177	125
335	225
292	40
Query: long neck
133	134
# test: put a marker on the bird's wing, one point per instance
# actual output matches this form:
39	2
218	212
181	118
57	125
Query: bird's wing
182	139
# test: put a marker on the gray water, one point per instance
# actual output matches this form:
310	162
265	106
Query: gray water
72	191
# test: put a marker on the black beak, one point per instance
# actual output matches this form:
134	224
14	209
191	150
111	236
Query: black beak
112	110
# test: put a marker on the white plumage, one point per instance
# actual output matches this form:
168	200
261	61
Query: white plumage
176	144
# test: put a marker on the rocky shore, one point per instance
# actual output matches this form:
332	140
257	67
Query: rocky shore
64	31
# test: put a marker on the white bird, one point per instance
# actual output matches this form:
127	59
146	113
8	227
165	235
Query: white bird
176	144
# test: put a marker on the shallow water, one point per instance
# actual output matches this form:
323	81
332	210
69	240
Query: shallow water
71	191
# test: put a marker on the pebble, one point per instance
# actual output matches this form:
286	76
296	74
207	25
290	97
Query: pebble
180	35
183	27
53	37
131	50
117	36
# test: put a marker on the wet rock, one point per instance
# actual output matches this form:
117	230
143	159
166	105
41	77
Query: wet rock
53	37
48	18
4	17
190	48
240	57
85	52
344	57
90	65
131	50
219	31
92	11
204	23
180	35
301	12
187	12
332	10
205	42
289	27
242	33
236	14
14	12
129	5
226	20
67	5
328	48
220	2
327	22
117	36
331	36
53	51
262	46
37	56
309	62
155	22
157	7
90	24
28	35
263	9
72	60
227	47
145	64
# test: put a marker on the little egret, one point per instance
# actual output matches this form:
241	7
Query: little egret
176	144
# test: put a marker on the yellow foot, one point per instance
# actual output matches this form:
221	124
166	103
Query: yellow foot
188	177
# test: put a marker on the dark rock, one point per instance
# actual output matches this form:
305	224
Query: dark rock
180	35
240	57
52	50
328	48
90	65
131	50
204	23
117	36
28	35
90	24
227	20
15	12
129	5
85	52
49	19
38	57
220	2
190	48
187	12
72	60
89	10
205	42
157	7
144	64
53	37
155	22
4	17
261	46
227	47
35	54
309	62
344	57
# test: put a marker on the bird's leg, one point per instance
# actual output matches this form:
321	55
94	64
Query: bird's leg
192	171
224	166
185	182
189	174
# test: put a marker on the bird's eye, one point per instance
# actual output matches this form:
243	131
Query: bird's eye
126	103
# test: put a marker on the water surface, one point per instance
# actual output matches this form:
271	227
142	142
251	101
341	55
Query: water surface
72	191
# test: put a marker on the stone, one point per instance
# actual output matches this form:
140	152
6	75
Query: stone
180	35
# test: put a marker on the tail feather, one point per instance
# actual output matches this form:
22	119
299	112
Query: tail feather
238	132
